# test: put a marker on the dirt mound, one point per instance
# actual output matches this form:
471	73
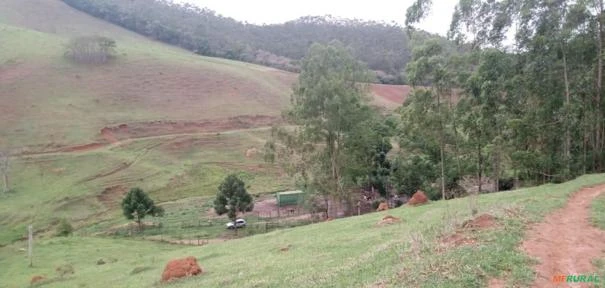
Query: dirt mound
388	219
107	134
458	239
418	198
251	152
480	222
383	206
37	279
180	268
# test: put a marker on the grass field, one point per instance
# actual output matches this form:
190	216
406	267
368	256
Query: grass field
181	140
598	219
351	252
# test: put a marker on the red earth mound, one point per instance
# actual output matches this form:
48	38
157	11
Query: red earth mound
388	219
37	279
180	268
480	222
383	206
418	198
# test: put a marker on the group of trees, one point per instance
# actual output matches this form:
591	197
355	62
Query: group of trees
529	113
531	110
339	142
231	199
385	48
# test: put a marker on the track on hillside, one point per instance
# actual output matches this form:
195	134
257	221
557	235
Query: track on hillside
565	243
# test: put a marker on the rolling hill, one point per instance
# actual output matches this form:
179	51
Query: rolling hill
175	123
158	117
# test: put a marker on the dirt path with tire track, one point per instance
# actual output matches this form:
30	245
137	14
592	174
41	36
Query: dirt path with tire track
566	242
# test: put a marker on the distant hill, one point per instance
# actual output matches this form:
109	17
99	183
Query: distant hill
384	47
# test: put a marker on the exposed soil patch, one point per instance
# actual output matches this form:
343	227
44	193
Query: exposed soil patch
83	148
156	128
54	148
393	93
458	239
387	220
111	196
462	238
482	221
566	242
180	268
418	198
496	283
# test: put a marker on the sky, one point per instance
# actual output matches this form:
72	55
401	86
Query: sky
273	11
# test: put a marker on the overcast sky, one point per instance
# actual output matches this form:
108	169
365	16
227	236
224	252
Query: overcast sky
274	11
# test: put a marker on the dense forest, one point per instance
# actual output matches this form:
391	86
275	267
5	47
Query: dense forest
385	48
531	111
521	114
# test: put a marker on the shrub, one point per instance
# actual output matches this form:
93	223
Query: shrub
64	229
398	202
91	49
376	203
506	184
65	270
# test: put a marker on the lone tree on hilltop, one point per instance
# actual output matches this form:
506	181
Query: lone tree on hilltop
137	204
232	198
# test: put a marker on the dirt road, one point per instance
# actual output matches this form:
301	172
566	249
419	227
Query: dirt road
566	242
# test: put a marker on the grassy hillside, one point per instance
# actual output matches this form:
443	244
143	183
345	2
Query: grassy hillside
158	117
178	106
352	252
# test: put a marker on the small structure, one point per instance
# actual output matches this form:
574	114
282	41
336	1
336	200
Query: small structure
289	198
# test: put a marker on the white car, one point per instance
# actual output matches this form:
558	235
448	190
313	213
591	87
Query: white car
239	223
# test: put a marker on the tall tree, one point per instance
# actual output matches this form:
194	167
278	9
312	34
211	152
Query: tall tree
430	65
232	198
137	205
328	103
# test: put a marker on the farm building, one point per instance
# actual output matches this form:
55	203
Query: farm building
289	197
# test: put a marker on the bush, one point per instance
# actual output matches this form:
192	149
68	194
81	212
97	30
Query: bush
91	49
64	229
398	203
376	203
65	270
506	184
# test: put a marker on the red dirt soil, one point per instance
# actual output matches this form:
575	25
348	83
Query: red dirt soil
418	198
111	196
566	242
66	149
458	239
383	206
157	128
480	222
180	268
393	93
37	279
388	219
